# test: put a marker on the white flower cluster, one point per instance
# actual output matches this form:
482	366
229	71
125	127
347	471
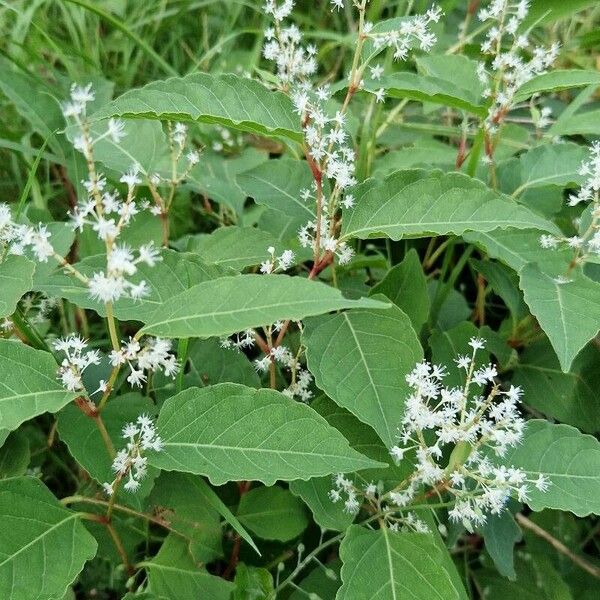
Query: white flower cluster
226	140
587	243
122	263
478	426
244	339
284	46
105	211
509	70
354	497
17	237
277	263
413	32
301	378
153	356
130	461
77	359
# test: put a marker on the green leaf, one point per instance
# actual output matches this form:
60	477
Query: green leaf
43	545
210	364
519	247
277	184
272	513
327	514
569	313
16	278
28	386
505	283
420	204
584	123
427	88
568	458
233	247
229	432
359	358
173	573
189	514
215	176
14	455
423	153
552	164
570	397
253	583
381	565
175	273
228	100
555	81
501	533
323	582
231	304
406	286
549	11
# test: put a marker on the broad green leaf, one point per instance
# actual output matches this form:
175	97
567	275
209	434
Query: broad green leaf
215	176
81	435
420	204
14	455
253	583
173	573
406	286
272	513
144	143
175	273
359	358
233	247
505	283
43	546
583	123
383	565
453	310
28	386
16	278
423	153
456	69
229	432
231	304
209	363
428	88
556	165
568	458
519	247
500	534
549	11
568	312
278	184
183	496
327	514
570	397
555	81
228	100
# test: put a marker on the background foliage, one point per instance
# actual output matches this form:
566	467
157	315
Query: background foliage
236	504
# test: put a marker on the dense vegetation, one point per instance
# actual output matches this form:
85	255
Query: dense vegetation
299	299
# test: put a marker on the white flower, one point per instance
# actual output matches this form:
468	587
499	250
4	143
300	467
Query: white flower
116	130
376	71
76	361
132	178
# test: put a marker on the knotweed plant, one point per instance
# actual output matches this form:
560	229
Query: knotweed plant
350	350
